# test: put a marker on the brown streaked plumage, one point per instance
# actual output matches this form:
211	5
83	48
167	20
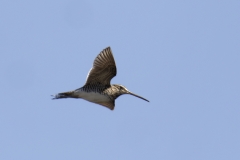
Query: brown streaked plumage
97	88
103	70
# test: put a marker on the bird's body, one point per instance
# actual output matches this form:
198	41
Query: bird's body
98	88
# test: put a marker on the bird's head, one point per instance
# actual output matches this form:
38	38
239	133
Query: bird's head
124	90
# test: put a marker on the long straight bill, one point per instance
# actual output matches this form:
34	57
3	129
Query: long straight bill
138	96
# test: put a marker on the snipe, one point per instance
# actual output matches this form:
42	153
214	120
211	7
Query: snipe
97	88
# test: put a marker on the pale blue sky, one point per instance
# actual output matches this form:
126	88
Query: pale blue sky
184	56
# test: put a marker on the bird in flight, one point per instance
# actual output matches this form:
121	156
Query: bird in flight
97	88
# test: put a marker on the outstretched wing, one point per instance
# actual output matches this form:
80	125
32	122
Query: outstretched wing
103	70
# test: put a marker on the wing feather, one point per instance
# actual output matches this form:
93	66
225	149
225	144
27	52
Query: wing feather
103	70
109	104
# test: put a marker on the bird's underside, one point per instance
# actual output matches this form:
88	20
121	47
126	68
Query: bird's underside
97	88
102	95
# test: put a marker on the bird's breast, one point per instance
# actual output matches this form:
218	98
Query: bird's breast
92	96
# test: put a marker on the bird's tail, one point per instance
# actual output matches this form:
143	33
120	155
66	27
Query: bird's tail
63	95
